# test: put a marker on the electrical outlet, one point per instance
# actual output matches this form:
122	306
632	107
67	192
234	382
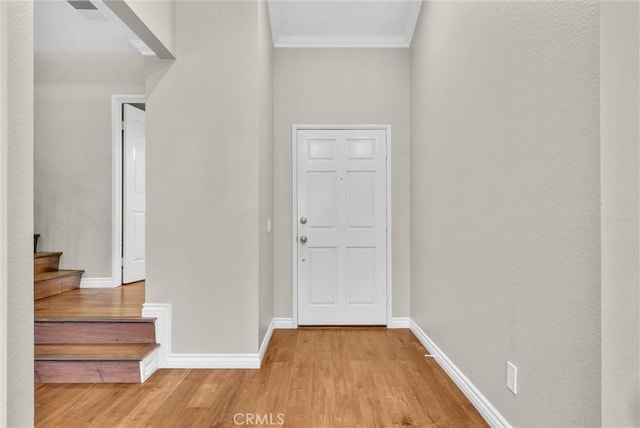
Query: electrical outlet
268	224
512	377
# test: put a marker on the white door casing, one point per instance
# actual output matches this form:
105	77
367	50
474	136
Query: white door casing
133	249
341	225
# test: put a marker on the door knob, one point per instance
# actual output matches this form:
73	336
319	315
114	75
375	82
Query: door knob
303	220
303	239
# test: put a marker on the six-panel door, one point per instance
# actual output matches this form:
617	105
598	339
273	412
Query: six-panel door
342	213
134	251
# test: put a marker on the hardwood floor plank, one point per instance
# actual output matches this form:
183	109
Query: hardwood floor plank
271	401
372	407
299	401
311	377
56	402
152	395
209	391
240	392
121	405
87	407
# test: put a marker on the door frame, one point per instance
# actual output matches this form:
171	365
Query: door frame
116	182
294	206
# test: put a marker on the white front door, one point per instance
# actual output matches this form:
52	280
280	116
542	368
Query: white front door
342	227
133	248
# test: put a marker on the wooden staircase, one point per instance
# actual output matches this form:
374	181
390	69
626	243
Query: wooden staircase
87	349
49	279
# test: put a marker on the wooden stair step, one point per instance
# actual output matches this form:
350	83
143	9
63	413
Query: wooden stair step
95	330
98	352
62	273
99	363
57	282
46	261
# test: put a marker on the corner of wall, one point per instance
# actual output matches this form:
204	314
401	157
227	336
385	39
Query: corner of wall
4	257
16	194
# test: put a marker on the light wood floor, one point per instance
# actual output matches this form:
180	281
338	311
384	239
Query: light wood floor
125	301
351	377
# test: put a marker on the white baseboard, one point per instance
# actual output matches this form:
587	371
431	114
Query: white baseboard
97	283
479	401
400	322
265	342
283	323
170	360
211	361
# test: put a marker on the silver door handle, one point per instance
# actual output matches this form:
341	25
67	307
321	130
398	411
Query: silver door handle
303	220
303	239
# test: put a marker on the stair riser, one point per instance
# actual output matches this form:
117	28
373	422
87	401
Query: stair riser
87	372
94	332
55	286
46	264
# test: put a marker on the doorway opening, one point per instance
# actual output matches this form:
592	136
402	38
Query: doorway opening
128	186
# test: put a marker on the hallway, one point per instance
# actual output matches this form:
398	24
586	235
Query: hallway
312	377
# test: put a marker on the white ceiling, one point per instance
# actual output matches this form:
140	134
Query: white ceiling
343	23
61	28
294	23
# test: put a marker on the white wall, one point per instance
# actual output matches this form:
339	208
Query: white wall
505	201
73	150
204	117
341	86
16	215
619	74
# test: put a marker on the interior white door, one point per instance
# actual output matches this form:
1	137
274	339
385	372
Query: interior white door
342	227
133	221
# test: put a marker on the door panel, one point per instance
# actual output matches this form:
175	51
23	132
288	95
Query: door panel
360	198
361	273
342	213
322	149
323	276
361	148
133	218
322	199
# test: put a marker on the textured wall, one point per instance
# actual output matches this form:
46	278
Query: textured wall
505	200
16	199
203	170
4	224
619	74
265	152
73	151
341	86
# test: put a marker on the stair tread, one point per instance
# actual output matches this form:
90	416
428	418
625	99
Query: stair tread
44	276
88	319
94	352
47	254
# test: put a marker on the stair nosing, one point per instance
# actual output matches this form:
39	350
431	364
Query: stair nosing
41	254
141	320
